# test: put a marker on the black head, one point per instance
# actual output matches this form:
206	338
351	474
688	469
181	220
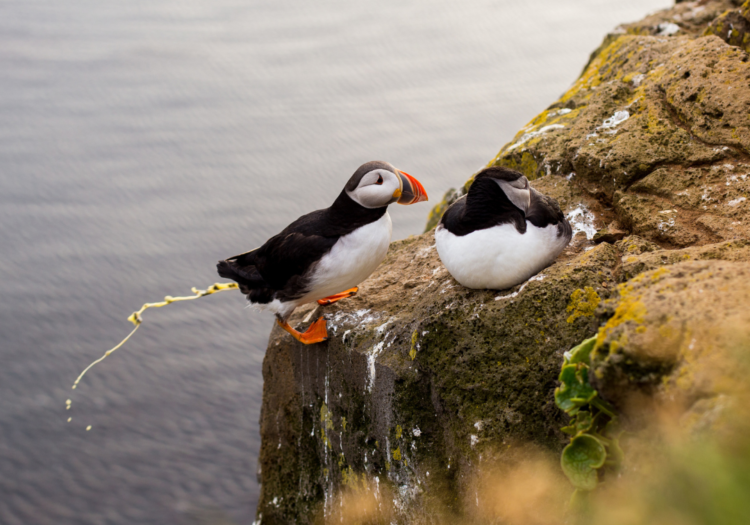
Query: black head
366	168
377	184
513	184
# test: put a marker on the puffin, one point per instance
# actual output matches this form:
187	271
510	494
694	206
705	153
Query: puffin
324	255
501	232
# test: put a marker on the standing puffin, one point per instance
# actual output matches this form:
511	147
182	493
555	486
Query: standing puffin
501	233
325	254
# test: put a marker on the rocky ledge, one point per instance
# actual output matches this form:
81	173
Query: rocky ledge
423	381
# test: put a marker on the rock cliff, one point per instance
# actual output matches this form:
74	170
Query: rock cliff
423	381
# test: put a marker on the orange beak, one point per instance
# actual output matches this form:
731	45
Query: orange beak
411	189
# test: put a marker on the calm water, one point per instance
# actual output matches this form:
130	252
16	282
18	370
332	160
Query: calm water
141	141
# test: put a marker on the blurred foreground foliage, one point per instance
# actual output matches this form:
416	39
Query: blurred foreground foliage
672	472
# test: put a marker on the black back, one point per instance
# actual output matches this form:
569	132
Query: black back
280	268
486	205
544	210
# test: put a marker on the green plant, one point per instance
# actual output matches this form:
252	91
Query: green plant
594	445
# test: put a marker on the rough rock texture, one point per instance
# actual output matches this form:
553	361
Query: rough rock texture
659	128
419	373
424	381
733	27
675	334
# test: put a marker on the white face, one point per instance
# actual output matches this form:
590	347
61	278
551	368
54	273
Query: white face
377	188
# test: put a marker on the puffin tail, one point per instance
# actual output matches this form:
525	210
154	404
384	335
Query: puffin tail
241	270
229	270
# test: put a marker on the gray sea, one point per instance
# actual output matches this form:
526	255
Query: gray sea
142	141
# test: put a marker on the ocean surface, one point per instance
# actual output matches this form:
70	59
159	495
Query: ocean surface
142	141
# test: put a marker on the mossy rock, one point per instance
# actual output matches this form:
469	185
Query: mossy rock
420	375
733	27
656	130
673	333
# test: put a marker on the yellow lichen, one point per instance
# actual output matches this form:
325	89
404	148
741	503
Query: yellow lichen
583	303
399	431
396	454
658	273
413	351
325	417
350	479
541	118
630	309
327	424
526	165
324	438
592	77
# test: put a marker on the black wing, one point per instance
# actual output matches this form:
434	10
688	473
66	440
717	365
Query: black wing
279	267
290	255
544	210
451	219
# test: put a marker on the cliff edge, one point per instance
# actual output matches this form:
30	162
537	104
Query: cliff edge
424	381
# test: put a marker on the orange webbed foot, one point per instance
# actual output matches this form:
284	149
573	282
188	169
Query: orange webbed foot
337	297
316	333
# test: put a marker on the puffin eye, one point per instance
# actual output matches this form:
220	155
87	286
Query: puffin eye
380	180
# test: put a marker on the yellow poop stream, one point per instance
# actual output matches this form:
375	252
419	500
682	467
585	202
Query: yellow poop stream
136	319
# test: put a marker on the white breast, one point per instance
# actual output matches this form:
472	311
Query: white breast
351	260
499	257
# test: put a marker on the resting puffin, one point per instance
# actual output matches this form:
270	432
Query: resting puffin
325	254
501	233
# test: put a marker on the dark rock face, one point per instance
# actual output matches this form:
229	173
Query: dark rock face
419	376
733	27
423	382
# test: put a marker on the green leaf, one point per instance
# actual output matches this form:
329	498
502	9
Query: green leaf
575	391
582	422
581	458
603	406
579	423
570	430
580	353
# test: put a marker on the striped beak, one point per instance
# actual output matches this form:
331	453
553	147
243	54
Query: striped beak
411	189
